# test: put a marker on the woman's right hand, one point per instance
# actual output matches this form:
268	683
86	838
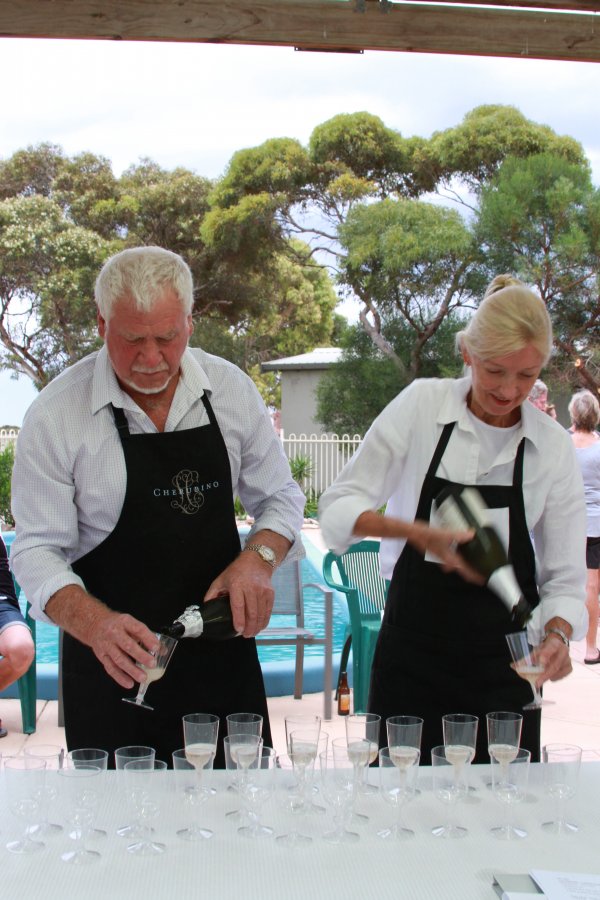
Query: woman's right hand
443	543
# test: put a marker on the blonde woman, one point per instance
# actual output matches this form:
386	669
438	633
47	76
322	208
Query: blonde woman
584	410
442	644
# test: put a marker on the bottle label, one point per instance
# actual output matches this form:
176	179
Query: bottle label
344	704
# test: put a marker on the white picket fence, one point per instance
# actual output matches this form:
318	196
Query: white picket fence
328	454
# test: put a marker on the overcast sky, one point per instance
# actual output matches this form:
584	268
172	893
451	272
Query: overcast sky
196	104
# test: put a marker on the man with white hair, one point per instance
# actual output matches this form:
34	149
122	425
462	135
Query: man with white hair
126	471
538	395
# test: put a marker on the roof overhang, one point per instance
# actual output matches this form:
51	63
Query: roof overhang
552	29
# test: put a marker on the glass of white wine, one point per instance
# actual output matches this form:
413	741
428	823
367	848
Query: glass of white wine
162	656
364	727
397	780
525	665
460	738
200	732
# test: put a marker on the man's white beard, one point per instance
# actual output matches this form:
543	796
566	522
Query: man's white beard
149	390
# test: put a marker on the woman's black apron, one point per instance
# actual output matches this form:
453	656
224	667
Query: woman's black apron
442	646
176	533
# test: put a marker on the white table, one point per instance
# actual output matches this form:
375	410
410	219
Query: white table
229	867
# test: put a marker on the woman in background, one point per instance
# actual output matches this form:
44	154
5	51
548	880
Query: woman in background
584	410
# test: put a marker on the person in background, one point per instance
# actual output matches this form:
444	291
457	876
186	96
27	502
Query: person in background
584	411
539	395
442	645
551	411
126	471
16	644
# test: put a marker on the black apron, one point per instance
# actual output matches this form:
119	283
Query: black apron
176	533
442	646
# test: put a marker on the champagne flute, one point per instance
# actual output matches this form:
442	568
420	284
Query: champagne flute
526	666
397	785
242	723
509	783
54	756
81	788
123	755
303	746
359	753
460	738
446	790
82	758
186	784
364	727
259	788
337	784
24	778
200	732
404	740
504	737
145	786
561	764
162	655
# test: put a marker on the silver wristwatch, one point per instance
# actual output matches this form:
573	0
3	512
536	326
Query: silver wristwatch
264	552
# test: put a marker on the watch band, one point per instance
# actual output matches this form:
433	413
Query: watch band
267	554
559	633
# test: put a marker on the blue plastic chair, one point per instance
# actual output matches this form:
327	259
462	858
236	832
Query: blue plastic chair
27	683
355	574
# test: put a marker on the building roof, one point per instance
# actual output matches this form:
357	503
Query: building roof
319	358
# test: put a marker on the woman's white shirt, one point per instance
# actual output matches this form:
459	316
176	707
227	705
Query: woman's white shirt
389	468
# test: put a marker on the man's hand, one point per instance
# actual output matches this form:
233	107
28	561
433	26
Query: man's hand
248	582
118	640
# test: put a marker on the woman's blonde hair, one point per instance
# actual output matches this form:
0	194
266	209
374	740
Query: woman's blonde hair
509	317
584	410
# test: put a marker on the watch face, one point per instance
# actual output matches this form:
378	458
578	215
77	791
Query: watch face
264	552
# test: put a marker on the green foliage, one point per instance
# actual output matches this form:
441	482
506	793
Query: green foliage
540	218
353	392
7	459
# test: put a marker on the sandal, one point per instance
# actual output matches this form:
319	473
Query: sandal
3	731
593	662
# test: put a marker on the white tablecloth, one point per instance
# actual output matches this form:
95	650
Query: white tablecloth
229	867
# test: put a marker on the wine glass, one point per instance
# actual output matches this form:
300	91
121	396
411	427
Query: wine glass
504	737
303	746
80	789
24	777
242	723
186	783
200	733
525	665
460	738
561	764
397	785
364	727
123	755
509	783
337	779
446	790
82	758
54	755
145	784
359	753
404	731
162	655
259	788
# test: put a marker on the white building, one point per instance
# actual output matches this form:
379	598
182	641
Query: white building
8	435
299	378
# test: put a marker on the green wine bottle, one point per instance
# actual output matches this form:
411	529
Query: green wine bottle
212	620
463	509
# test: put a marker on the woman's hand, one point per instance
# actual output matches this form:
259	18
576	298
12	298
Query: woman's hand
443	543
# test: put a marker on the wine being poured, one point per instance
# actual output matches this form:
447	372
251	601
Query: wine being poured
462	509
162	656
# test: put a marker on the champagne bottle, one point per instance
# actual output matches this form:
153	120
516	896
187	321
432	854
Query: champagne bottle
343	695
463	509
212	620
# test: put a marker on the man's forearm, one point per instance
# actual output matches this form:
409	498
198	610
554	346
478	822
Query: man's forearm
77	612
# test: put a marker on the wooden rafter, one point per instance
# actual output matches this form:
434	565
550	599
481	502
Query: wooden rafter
543	29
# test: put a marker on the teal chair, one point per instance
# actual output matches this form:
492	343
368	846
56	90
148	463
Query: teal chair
355	574
27	683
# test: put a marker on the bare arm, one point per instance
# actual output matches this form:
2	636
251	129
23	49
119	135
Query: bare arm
117	639
553	653
439	541
248	581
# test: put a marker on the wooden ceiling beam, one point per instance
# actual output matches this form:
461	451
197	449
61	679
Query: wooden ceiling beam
328	25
